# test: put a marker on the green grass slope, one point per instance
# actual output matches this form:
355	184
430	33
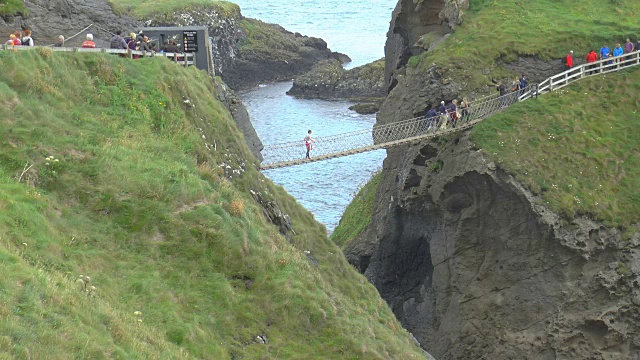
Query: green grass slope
357	215
503	30
577	148
143	9
106	172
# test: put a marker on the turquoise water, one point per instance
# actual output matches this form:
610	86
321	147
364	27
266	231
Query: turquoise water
357	28
354	27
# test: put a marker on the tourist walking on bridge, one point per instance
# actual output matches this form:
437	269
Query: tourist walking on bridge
524	82
431	116
308	143
503	93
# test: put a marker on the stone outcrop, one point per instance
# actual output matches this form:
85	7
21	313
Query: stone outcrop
412	23
475	267
329	80
49	18
280	55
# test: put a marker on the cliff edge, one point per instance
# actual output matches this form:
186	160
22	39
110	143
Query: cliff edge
518	240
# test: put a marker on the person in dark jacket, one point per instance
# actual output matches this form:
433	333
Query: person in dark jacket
503	92
431	116
442	109
117	41
431	112
524	82
171	47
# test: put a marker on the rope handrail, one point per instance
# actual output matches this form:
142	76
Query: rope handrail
419	128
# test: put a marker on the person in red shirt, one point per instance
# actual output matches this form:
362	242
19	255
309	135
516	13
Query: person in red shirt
569	60
89	42
592	57
18	40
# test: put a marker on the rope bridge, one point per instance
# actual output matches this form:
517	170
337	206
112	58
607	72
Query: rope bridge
420	128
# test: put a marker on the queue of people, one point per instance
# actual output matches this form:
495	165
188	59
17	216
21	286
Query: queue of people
141	42
604	53
20	38
134	41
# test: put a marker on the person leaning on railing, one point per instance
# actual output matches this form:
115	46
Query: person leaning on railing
59	41
27	40
12	40
89	42
117	41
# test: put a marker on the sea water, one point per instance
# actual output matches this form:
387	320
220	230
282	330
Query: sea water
355	27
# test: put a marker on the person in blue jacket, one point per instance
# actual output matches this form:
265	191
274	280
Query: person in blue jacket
617	52
604	51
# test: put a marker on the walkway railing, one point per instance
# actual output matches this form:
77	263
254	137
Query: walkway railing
420	128
183	59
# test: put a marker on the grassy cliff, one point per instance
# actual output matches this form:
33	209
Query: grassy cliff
357	215
577	148
142	9
120	170
500	31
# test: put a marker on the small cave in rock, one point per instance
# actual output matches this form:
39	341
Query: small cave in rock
427	153
412	180
402	270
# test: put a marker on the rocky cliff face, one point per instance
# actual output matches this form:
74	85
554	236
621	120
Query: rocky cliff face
49	18
417	25
475	268
329	80
471	262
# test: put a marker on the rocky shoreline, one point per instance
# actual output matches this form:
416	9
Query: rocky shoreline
330	81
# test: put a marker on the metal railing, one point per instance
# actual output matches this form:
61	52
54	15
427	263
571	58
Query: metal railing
183	59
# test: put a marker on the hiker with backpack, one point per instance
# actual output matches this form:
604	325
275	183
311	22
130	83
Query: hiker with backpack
27	40
117	41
